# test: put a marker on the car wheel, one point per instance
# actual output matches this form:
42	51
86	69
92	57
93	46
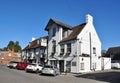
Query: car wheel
37	71
26	71
55	73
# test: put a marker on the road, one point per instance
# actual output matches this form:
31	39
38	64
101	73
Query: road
17	76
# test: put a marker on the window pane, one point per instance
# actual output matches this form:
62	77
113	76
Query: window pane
73	63
54	31
82	66
94	50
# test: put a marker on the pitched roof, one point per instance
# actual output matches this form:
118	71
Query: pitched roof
75	31
34	44
114	51
51	21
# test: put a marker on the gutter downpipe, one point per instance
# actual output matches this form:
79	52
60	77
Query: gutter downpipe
90	51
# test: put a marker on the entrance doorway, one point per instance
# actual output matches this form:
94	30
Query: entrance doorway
61	65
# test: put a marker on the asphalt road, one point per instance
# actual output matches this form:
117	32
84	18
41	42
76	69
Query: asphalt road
17	76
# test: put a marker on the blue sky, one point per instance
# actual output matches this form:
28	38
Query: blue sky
20	20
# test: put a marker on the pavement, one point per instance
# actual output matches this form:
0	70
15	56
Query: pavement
106	76
111	76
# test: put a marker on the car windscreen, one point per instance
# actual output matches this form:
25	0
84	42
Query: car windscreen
47	66
33	64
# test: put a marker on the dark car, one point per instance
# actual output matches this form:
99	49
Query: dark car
22	65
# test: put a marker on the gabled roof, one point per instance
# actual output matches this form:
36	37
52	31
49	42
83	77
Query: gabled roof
34	44
114	51
51	21
75	31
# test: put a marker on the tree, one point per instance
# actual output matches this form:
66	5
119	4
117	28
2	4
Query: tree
17	47
14	45
103	52
10	45
5	49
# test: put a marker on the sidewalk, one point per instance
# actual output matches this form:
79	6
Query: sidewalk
94	72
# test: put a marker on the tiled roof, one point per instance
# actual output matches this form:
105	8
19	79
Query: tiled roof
75	31
114	51
51	21
34	44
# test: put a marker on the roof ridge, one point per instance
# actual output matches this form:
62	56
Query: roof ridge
56	21
78	25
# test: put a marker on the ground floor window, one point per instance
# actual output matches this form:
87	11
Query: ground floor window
68	66
53	62
82	66
73	63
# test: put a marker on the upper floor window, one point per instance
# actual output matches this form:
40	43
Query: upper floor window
94	50
54	31
64	33
62	49
68	48
54	46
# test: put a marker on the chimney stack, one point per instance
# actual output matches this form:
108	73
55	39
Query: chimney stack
89	18
33	38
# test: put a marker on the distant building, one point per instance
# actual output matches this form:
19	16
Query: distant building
7	56
35	51
114	53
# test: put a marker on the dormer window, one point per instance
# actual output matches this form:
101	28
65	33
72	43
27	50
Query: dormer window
54	31
64	33
38	41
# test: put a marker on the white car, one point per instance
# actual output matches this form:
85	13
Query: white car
12	64
34	67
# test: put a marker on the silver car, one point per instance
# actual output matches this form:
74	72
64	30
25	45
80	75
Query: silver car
50	70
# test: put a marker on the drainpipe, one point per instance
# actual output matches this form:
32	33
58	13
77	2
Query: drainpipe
77	55
90	51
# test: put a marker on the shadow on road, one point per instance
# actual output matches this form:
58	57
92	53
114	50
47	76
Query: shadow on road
111	77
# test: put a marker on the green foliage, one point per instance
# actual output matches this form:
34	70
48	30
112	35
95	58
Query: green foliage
103	52
14	45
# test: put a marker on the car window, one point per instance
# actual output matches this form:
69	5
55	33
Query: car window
40	65
47	66
33	64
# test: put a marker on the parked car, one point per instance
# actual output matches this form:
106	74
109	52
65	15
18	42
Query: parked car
12	64
22	65
115	65
34	67
51	70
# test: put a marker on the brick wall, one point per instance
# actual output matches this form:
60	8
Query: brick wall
9	56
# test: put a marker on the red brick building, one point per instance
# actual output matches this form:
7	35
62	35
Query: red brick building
7	56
